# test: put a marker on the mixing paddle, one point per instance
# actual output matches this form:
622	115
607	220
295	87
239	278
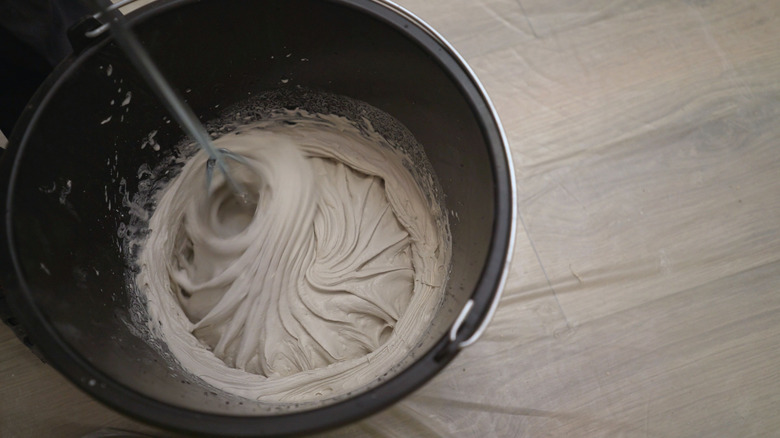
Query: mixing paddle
173	102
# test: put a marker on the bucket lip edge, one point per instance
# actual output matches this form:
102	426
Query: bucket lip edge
510	168
416	374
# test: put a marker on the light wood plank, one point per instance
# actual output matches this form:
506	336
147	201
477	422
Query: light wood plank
636	185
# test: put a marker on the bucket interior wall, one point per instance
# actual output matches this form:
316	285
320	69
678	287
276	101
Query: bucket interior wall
83	153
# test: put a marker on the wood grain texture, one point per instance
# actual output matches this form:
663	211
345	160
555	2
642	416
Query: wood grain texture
644	296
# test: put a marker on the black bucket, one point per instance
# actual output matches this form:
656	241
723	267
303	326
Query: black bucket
64	271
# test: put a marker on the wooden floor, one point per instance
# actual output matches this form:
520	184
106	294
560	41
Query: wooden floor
644	296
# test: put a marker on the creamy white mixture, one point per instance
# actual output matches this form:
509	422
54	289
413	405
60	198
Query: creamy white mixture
319	285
